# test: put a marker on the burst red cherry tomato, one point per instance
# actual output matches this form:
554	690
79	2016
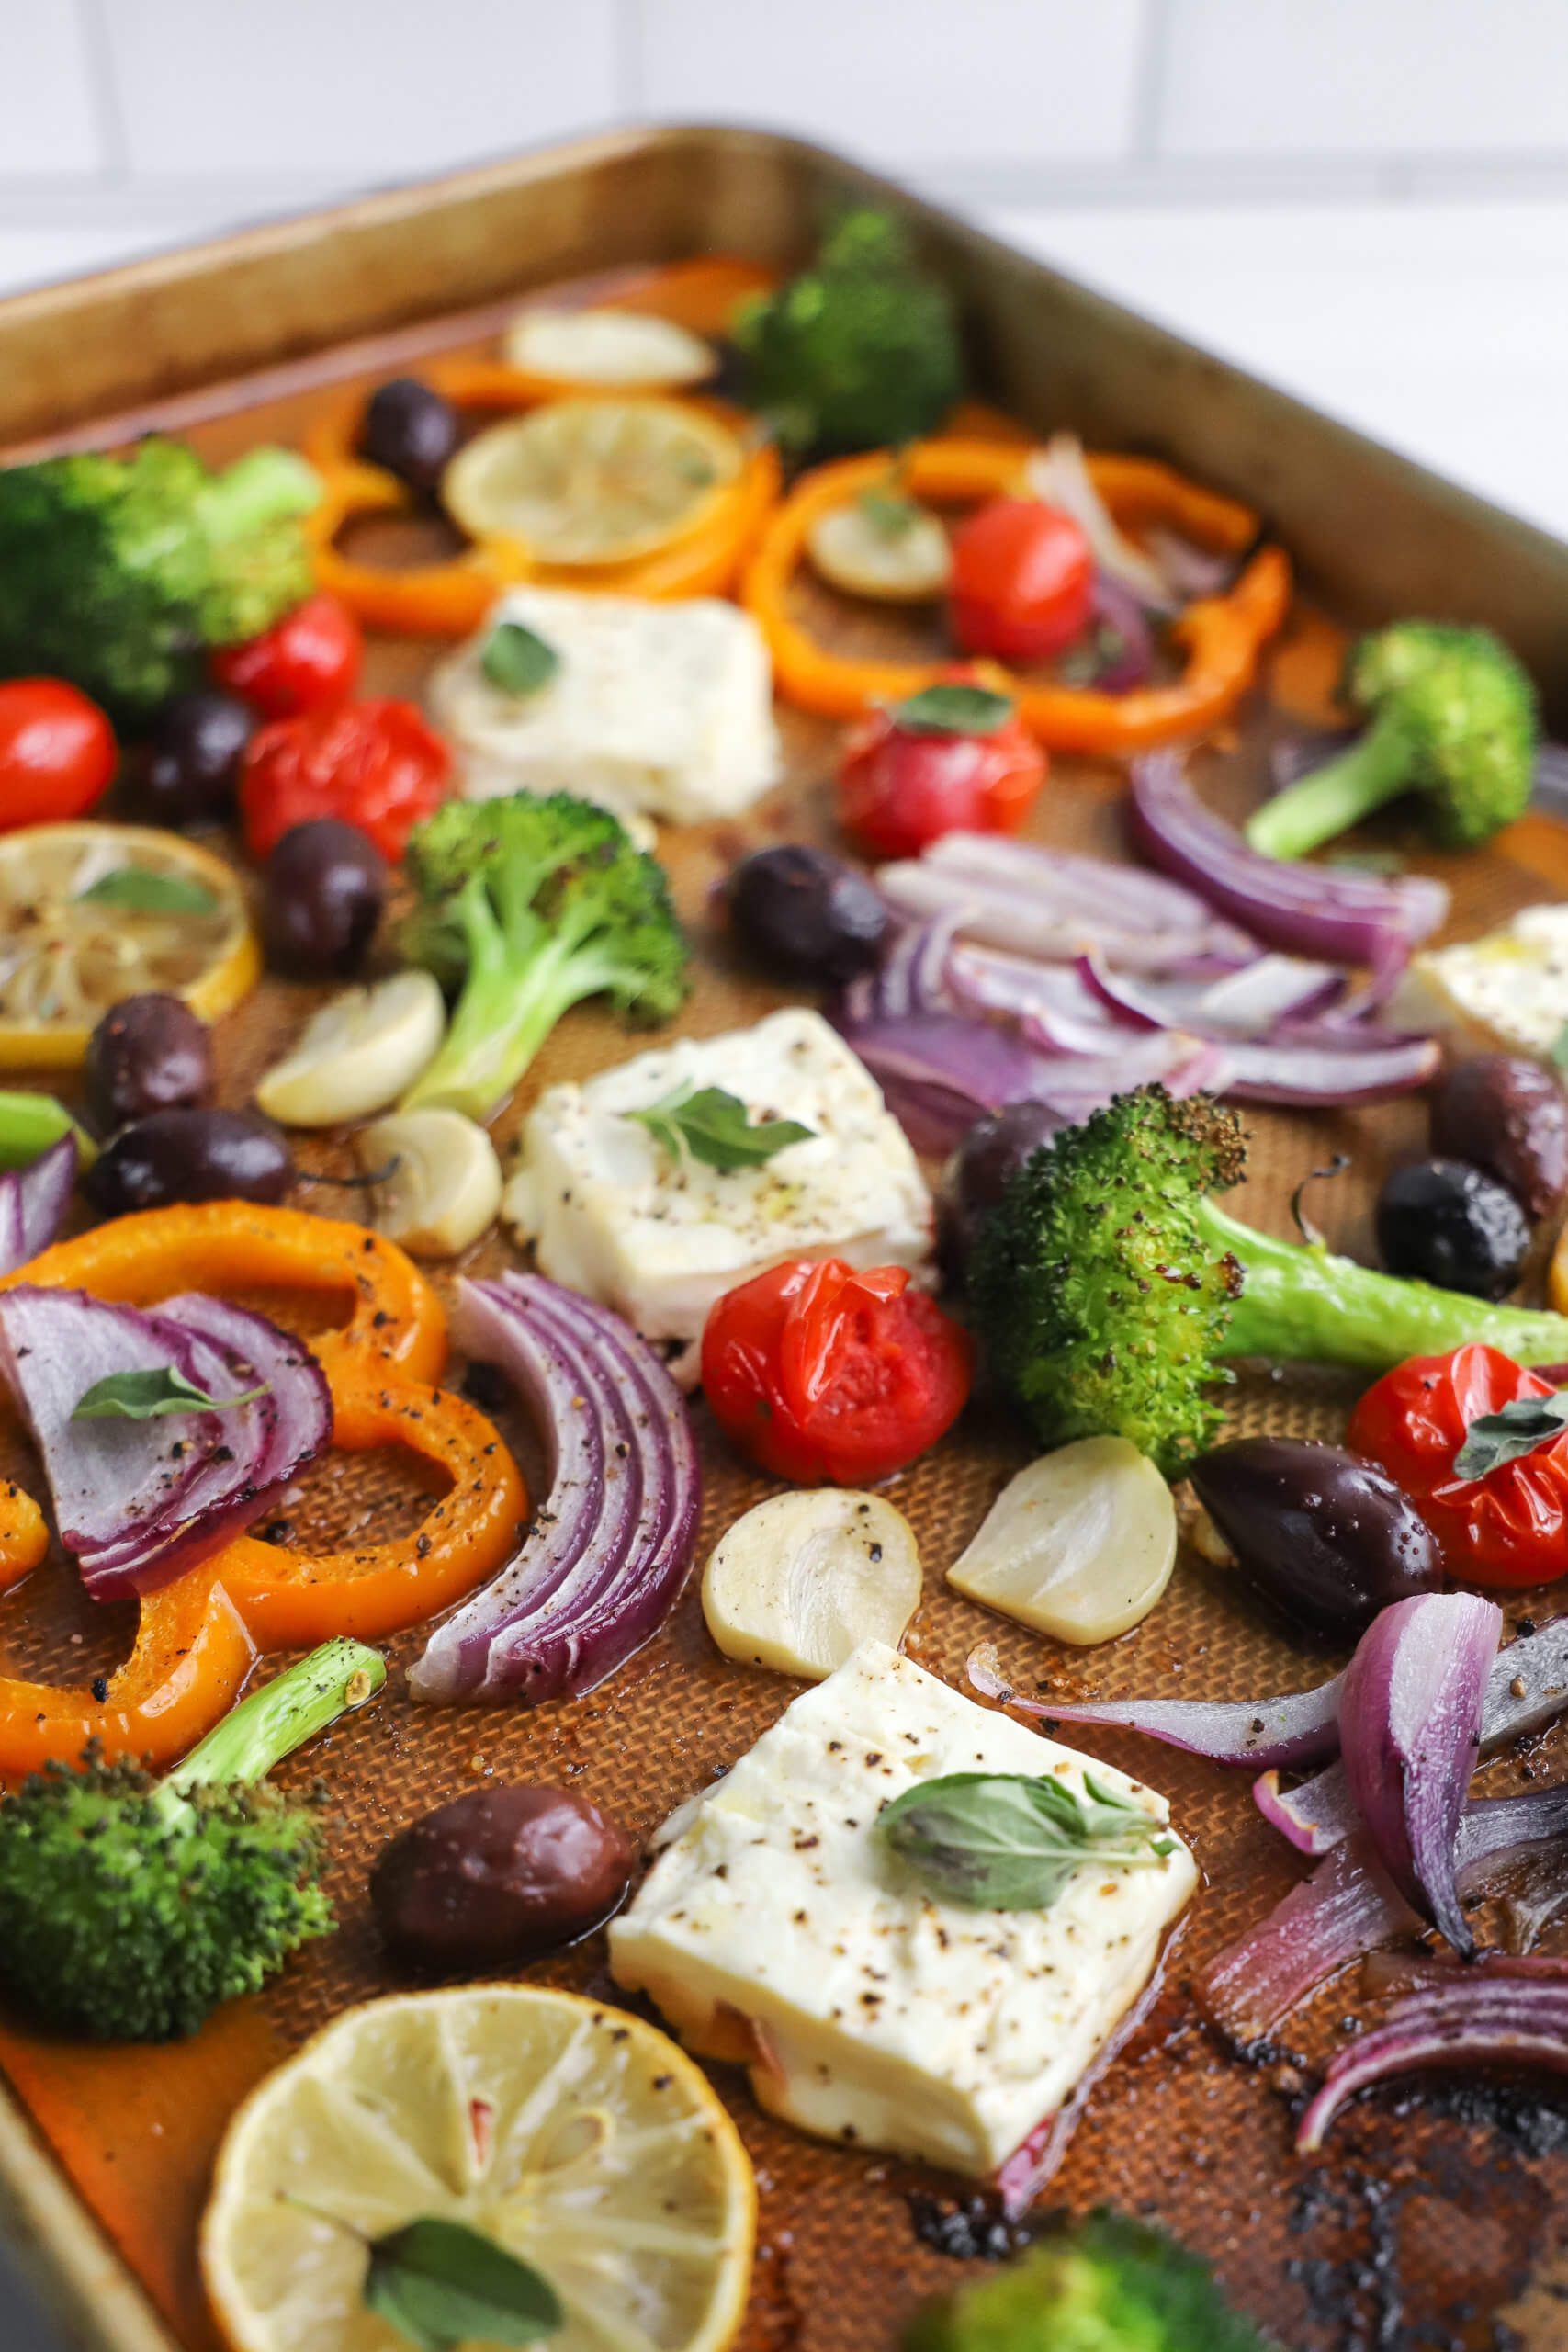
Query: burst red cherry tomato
374	764
56	753
1509	1527
1022	581
821	1374
953	759
309	658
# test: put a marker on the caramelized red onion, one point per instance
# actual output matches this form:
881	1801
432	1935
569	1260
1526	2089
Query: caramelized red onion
33	1203
1493	2018
603	1560
1296	1729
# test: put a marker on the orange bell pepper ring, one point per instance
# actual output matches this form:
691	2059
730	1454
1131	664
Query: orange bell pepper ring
198	1636
1222	636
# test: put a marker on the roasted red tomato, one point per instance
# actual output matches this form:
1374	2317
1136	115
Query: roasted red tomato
56	753
820	1372
309	658
1508	1526
953	759
1022	581
374	764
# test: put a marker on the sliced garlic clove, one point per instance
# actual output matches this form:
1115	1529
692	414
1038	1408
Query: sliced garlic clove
896	551
357	1055
799	1582
1080	1546
608	346
442	1188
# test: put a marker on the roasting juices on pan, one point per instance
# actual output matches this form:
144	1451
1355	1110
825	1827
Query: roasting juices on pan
717	1023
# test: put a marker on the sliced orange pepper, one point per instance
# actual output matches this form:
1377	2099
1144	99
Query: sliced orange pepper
24	1535
1223	636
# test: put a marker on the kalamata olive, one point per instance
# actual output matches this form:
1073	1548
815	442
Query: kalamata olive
148	1053
411	430
193	763
1509	1119
1326	1538
191	1156
1446	1223
981	1170
499	1876
807	915
321	898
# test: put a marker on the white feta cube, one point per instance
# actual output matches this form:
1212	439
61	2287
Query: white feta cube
1506	989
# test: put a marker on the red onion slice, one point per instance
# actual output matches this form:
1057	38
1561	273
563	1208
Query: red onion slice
913	977
1051	1002
1489	2019
1296	1729
1250	1004
33	1204
1302	1076
1115	610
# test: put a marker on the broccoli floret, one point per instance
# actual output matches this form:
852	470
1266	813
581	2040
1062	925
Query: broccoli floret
860	352
130	1908
1110	2285
119	572
1108	1288
1452	718
526	906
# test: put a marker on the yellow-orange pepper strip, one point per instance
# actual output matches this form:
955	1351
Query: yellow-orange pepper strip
1224	636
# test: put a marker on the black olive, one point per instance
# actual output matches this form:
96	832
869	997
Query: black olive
979	1173
1446	1223
191	1156
1326	1538
193	761
807	915
411	430
148	1053
499	1876
1509	1119
321	898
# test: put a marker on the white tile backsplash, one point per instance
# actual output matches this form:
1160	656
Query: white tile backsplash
51	121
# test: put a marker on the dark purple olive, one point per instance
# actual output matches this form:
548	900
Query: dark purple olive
192	760
321	898
1444	1222
411	430
1326	1538
497	1877
148	1053
807	915
981	1170
191	1156
1509	1119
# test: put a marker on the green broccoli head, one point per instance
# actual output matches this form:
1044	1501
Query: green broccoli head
527	906
1452	718
119	573
860	352
1110	2284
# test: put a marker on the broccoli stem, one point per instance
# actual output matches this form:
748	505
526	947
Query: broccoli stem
1304	1305
1334	797
261	487
276	1720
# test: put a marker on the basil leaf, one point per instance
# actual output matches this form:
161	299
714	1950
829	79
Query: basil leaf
441	2284
144	1395
1511	1432
1002	1842
712	1126
953	710
889	516
1558	1057
517	661
149	893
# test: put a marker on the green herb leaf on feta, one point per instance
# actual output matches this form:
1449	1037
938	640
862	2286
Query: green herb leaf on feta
517	660
713	1126
1003	1841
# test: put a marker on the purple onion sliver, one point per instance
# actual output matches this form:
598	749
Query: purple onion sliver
1114	606
38	1197
1297	1729
1480	2023
1302	1076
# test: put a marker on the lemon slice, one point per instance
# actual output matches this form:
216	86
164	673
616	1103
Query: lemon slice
579	2138
592	481
624	348
90	913
882	545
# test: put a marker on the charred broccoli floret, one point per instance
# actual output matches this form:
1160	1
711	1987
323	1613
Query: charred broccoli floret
119	573
130	1908
859	352
1451	718
1109	1288
526	906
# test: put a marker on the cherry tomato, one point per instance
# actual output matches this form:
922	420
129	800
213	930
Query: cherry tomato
903	783
56	753
374	764
309	658
1508	1528
1022	581
820	1373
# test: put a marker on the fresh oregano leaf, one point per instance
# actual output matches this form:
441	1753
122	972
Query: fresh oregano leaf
713	1127
148	892
517	661
1511	1432
441	2284
953	710
143	1396
1003	1841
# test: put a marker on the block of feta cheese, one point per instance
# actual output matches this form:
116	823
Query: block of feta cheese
774	1926
1507	989
655	710
612	1212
